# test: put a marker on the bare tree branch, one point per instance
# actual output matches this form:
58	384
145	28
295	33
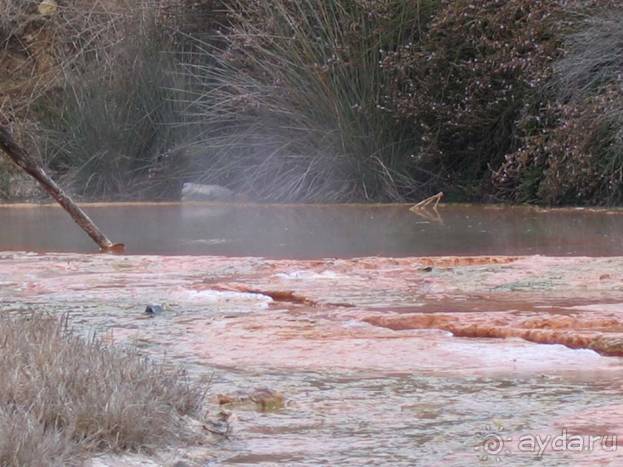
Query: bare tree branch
32	168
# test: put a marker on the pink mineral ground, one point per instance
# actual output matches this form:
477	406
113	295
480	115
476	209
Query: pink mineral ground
438	317
360	313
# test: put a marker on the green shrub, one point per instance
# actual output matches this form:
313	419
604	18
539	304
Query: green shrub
335	100
97	79
593	58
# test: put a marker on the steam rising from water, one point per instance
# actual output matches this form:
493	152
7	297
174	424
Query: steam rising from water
313	231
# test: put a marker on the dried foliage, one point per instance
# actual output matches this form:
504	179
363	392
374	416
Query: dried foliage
39	50
63	398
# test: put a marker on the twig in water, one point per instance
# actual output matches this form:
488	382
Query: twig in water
434	200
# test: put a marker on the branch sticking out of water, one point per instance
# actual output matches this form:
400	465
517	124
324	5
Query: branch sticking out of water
426	203
32	168
422	208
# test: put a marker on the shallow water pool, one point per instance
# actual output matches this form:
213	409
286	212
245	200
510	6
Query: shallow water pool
318	231
357	393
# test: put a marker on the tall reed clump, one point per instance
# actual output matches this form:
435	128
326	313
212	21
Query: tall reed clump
113	122
572	151
94	80
111	133
295	105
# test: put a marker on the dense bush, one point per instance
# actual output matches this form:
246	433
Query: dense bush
111	128
89	88
467	81
572	149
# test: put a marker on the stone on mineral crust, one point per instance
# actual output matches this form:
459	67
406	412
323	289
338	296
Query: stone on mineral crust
153	309
263	399
47	8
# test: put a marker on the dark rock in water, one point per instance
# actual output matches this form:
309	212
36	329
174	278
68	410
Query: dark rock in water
153	310
198	192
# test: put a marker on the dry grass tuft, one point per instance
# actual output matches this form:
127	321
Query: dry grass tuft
24	441
63	398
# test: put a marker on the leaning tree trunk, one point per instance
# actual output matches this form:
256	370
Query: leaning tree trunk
28	164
